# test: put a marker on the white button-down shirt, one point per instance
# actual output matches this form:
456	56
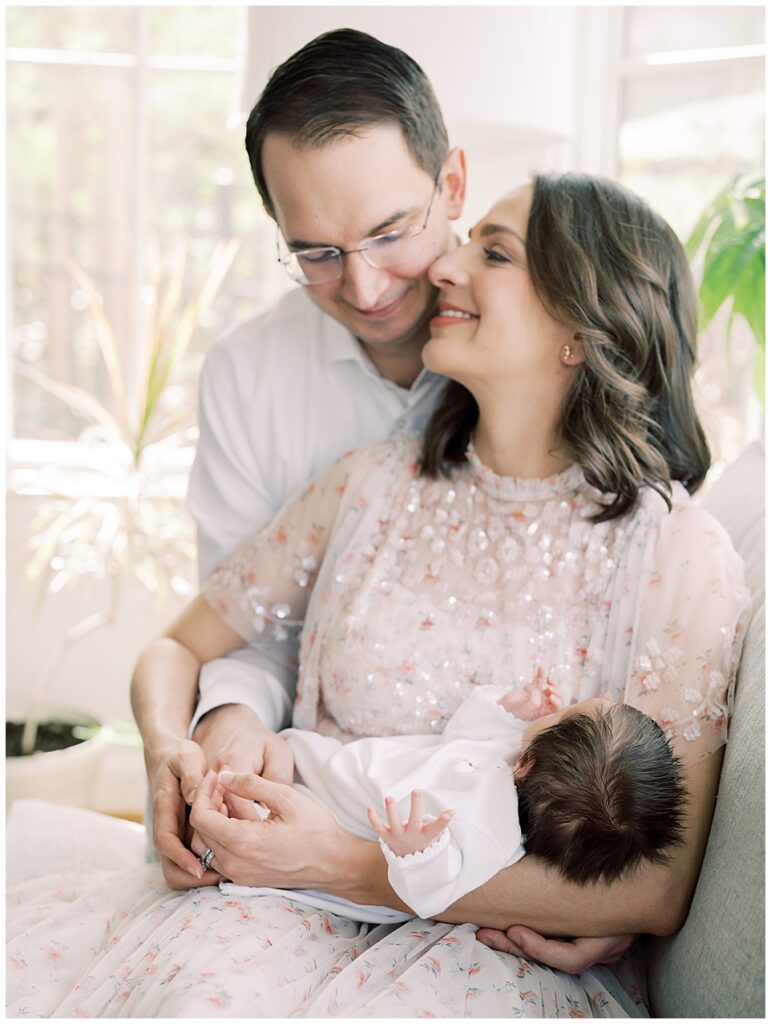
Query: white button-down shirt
282	395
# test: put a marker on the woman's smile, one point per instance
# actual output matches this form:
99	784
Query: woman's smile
449	315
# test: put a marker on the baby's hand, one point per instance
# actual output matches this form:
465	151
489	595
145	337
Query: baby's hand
410	836
531	702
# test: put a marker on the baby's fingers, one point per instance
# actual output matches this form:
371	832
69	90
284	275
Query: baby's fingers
392	813
415	819
378	827
432	829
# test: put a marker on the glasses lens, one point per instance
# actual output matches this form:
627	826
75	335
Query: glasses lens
389	250
314	266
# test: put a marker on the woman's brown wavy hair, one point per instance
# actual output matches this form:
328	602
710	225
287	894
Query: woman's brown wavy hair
603	263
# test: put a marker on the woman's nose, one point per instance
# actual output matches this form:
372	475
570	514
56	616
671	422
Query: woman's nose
449	269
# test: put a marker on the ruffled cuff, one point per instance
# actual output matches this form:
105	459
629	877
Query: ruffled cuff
415	860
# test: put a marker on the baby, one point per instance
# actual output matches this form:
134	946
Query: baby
592	789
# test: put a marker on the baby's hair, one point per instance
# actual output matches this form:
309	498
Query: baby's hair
599	793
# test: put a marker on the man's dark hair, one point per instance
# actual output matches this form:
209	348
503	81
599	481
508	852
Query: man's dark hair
339	83
603	792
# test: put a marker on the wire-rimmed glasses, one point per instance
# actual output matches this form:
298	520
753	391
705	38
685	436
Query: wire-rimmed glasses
325	263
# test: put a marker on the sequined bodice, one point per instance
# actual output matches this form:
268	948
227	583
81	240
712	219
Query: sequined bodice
477	580
418	590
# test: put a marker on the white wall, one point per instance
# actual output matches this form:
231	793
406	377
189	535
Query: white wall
505	77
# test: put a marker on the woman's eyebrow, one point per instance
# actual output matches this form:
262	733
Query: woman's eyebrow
499	229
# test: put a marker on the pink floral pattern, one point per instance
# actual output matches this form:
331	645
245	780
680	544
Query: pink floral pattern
425	589
411	592
199	954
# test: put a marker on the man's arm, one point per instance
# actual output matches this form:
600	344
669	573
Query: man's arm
163	692
228	498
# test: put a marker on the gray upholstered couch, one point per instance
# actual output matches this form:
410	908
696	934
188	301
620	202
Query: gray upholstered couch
714	967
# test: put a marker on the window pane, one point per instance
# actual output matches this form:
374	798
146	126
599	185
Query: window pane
71	196
684	135
657	29
192	31
111	29
200	190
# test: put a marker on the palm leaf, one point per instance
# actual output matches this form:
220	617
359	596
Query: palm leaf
81	402
106	341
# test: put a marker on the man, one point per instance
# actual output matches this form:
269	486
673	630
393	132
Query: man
350	155
351	158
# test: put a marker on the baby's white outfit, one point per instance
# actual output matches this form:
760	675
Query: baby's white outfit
467	768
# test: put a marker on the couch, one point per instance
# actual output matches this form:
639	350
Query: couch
714	966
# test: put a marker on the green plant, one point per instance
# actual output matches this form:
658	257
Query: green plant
730	241
131	527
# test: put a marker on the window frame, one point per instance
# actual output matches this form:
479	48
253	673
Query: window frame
25	455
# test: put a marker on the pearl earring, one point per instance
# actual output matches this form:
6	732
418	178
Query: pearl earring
567	353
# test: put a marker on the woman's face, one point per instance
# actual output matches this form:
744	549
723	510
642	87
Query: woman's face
491	328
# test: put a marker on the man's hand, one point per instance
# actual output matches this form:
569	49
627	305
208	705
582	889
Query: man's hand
298	847
572	957
233	736
174	773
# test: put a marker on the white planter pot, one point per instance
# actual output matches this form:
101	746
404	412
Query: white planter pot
66	776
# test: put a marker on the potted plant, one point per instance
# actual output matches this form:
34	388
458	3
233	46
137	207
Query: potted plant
729	241
130	529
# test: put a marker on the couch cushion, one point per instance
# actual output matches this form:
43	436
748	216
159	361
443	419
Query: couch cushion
714	967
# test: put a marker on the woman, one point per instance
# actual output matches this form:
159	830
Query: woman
540	534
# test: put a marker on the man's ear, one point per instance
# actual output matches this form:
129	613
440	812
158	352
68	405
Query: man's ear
452	179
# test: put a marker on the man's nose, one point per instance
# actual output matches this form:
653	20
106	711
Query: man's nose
362	285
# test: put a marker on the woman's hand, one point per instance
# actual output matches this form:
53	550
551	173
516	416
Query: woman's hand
174	773
233	736
299	846
571	956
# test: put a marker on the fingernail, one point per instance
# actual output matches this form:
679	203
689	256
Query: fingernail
191	796
225	777
515	937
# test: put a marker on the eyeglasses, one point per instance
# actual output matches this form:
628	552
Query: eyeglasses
318	266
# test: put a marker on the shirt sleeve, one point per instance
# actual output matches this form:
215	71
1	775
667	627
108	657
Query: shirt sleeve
262	589
461	859
685	643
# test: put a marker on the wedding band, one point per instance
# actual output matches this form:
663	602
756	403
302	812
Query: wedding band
206	858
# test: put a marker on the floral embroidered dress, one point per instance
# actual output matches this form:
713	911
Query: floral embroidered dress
412	592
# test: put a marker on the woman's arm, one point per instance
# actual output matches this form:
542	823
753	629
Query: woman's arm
163	692
655	899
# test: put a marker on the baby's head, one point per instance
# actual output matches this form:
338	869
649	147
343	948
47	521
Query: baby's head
599	791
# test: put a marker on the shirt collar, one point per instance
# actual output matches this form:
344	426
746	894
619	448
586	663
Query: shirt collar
339	345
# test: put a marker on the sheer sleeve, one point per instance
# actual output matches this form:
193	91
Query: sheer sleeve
265	585
691	617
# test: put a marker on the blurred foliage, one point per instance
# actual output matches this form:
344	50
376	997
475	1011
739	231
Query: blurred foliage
134	533
96	166
729	241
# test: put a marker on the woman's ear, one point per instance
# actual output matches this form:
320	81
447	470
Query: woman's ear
572	352
452	180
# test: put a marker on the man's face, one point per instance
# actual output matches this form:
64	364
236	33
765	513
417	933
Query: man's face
349	190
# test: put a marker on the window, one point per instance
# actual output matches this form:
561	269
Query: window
690	111
118	146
